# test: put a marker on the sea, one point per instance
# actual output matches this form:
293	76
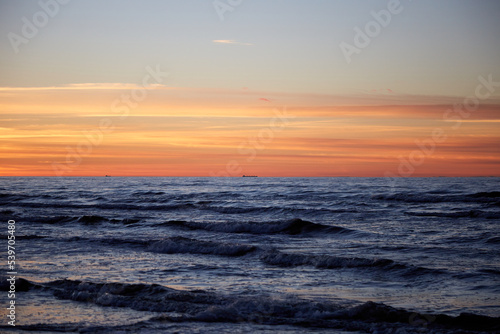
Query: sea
250	255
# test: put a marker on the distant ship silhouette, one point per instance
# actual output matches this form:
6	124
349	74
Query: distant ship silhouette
249	176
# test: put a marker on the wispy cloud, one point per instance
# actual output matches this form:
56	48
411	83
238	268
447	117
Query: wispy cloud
229	41
89	86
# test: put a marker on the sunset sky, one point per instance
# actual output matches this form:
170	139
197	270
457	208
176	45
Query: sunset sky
256	87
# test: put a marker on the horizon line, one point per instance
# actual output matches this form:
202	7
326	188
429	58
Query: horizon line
229	177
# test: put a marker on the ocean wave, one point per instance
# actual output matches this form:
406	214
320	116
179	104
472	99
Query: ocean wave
271	209
90	220
146	206
118	242
486	194
491	197
171	245
124	205
235	210
56	219
412	197
7	198
278	258
493	240
29	237
456	214
85	220
126	221
21	284
148	193
169	205
490	271
292	227
181	245
210	307
141	297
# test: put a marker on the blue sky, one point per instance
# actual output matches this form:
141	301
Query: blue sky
429	48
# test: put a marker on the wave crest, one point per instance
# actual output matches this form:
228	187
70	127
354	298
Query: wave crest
181	245
291	227
203	306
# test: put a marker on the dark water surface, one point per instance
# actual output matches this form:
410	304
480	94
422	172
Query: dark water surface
207	255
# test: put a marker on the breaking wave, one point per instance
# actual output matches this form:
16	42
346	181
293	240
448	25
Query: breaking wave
180	245
292	227
205	306
276	258
456	214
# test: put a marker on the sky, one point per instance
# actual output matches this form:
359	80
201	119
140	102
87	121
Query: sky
261	87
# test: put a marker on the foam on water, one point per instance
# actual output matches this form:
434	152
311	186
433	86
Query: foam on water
173	305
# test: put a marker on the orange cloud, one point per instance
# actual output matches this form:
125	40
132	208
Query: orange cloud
179	131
